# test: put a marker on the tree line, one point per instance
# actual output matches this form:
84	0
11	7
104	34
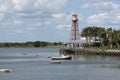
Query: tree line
30	44
109	37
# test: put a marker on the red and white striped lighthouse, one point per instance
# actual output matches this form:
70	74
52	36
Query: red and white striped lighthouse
74	29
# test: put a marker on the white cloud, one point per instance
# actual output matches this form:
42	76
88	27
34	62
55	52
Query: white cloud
98	18
64	27
17	22
85	6
59	18
6	6
3	8
102	5
19	31
2	16
50	5
9	22
106	5
14	13
107	13
34	27
38	8
111	18
42	9
47	23
58	15
22	5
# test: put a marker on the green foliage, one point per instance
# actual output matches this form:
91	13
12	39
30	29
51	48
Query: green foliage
30	44
104	47
107	37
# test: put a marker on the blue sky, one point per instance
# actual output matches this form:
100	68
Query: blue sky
50	20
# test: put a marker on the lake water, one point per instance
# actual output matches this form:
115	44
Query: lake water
34	64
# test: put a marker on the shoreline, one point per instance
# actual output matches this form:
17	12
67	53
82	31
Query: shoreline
86	51
35	47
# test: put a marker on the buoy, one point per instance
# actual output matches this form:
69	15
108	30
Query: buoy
49	57
24	54
5	70
37	55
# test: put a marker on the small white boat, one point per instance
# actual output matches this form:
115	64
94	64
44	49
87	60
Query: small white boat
62	58
5	70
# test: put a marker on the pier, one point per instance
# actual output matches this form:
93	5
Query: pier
91	51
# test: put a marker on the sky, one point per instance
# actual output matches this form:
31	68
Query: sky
50	20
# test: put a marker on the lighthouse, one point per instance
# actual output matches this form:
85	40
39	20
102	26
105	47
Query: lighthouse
74	29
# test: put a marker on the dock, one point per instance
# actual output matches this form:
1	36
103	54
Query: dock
91	51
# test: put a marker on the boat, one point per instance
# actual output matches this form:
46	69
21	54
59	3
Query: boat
62	58
5	70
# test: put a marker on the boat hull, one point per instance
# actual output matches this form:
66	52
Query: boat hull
5	70
61	58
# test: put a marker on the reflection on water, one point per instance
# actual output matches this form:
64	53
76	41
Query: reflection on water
34	64
114	66
95	57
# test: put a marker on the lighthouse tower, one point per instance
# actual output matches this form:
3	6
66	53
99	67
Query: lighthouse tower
74	29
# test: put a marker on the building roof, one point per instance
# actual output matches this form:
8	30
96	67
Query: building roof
74	14
81	40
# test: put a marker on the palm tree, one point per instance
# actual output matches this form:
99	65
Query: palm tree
90	32
99	32
116	37
86	33
95	32
102	34
109	35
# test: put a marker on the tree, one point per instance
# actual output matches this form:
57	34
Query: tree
36	44
90	32
86	33
102	35
109	35
116	37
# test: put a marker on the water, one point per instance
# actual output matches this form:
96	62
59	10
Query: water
34	64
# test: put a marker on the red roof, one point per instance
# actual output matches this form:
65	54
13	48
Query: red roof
74	14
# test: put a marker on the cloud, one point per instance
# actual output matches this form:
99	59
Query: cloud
3	8
34	27
2	16
111	18
10	22
59	18
102	5
98	18
47	23
58	15
31	8
17	22
106	6
107	13
23	5
64	27
31	13
35	8
85	6
50	5
19	31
